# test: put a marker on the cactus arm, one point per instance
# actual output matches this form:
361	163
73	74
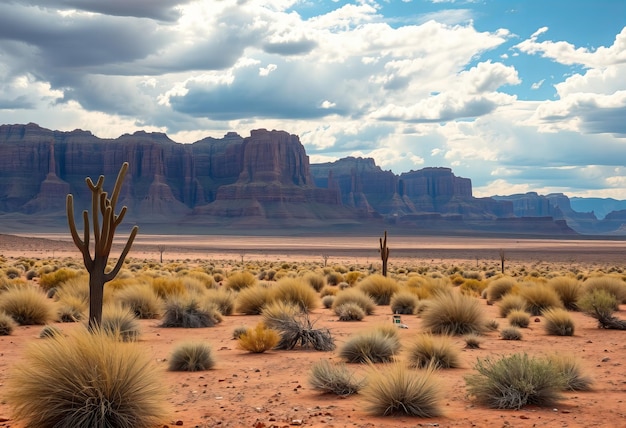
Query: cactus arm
113	273
118	184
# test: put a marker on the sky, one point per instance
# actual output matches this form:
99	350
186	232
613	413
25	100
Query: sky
517	95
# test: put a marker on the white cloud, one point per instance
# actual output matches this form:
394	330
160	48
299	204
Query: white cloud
538	84
264	71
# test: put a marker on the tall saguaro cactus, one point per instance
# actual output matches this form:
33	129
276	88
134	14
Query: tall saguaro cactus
384	253
104	222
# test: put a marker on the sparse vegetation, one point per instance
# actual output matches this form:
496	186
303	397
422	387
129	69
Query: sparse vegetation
558	322
539	297
437	351
192	357
297	292
518	318
259	339
7	325
510	333
332	378
379	288
349	312
453	314
27	306
352	295
404	303
369	347
190	312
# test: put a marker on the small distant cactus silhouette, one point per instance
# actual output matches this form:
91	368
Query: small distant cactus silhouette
384	253
104	223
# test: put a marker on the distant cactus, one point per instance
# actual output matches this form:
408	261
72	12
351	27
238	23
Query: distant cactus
104	223
384	253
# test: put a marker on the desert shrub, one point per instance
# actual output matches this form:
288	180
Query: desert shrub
49	331
193	285
558	322
259	339
349	312
515	381
334	278
569	367
12	272
56	278
7	325
453	314
86	380
238	331
569	290
191	357
390	331
166	287
352	277
190	312
316	281
511	302
333	379
27	306
473	287
539	297
203	277
297	292
404	303
379	287
472	341
396	390
296	328
353	295
368	347
329	291
71	308
327	301
510	333
78	287
278	312
120	323
426	288
251	300
610	284
499	287
142	300
223	299
240	280
437	351
518	318
492	325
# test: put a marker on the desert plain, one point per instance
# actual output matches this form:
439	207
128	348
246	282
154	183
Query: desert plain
271	389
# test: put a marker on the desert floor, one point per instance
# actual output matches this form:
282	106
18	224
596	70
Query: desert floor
271	389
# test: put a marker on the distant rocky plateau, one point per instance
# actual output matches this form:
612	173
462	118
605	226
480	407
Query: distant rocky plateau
260	184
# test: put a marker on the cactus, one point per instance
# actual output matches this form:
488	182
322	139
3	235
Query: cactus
384	253
102	209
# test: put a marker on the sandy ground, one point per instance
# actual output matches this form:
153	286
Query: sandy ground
271	389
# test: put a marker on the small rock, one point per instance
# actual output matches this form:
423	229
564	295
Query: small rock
604	360
537	320
178	423
296	422
524	417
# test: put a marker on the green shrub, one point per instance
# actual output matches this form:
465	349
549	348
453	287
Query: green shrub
539	297
190	311
569	290
610	284
7	325
223	299
404	303
86	380
240	280
316	281
333	379
515	381
353	295
510	333
599	304
120	323
453	314
192	357
56	278
259	339
499	287
558	322
380	288
349	312
141	300
297	292
437	351
511	302
569	367
368	347
251	300
396	390
518	318
27	306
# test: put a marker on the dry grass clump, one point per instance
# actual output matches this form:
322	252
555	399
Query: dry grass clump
378	287
349	312
569	290
165	287
332	378
453	314
142	300
511	302
353	295
600	304
473	287
499	287
192	357
539	297
259	339
315	280
334	278
437	351
297	292
610	284
49	331
327	302
472	341
515	381
223	299
510	333
238	331
558	322
251	300
86	380
369	347
404	303
518	318
396	390
296	328
56	278
569	367
71	308
7	325
190	311
352	277
203	277
27	306
120	322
